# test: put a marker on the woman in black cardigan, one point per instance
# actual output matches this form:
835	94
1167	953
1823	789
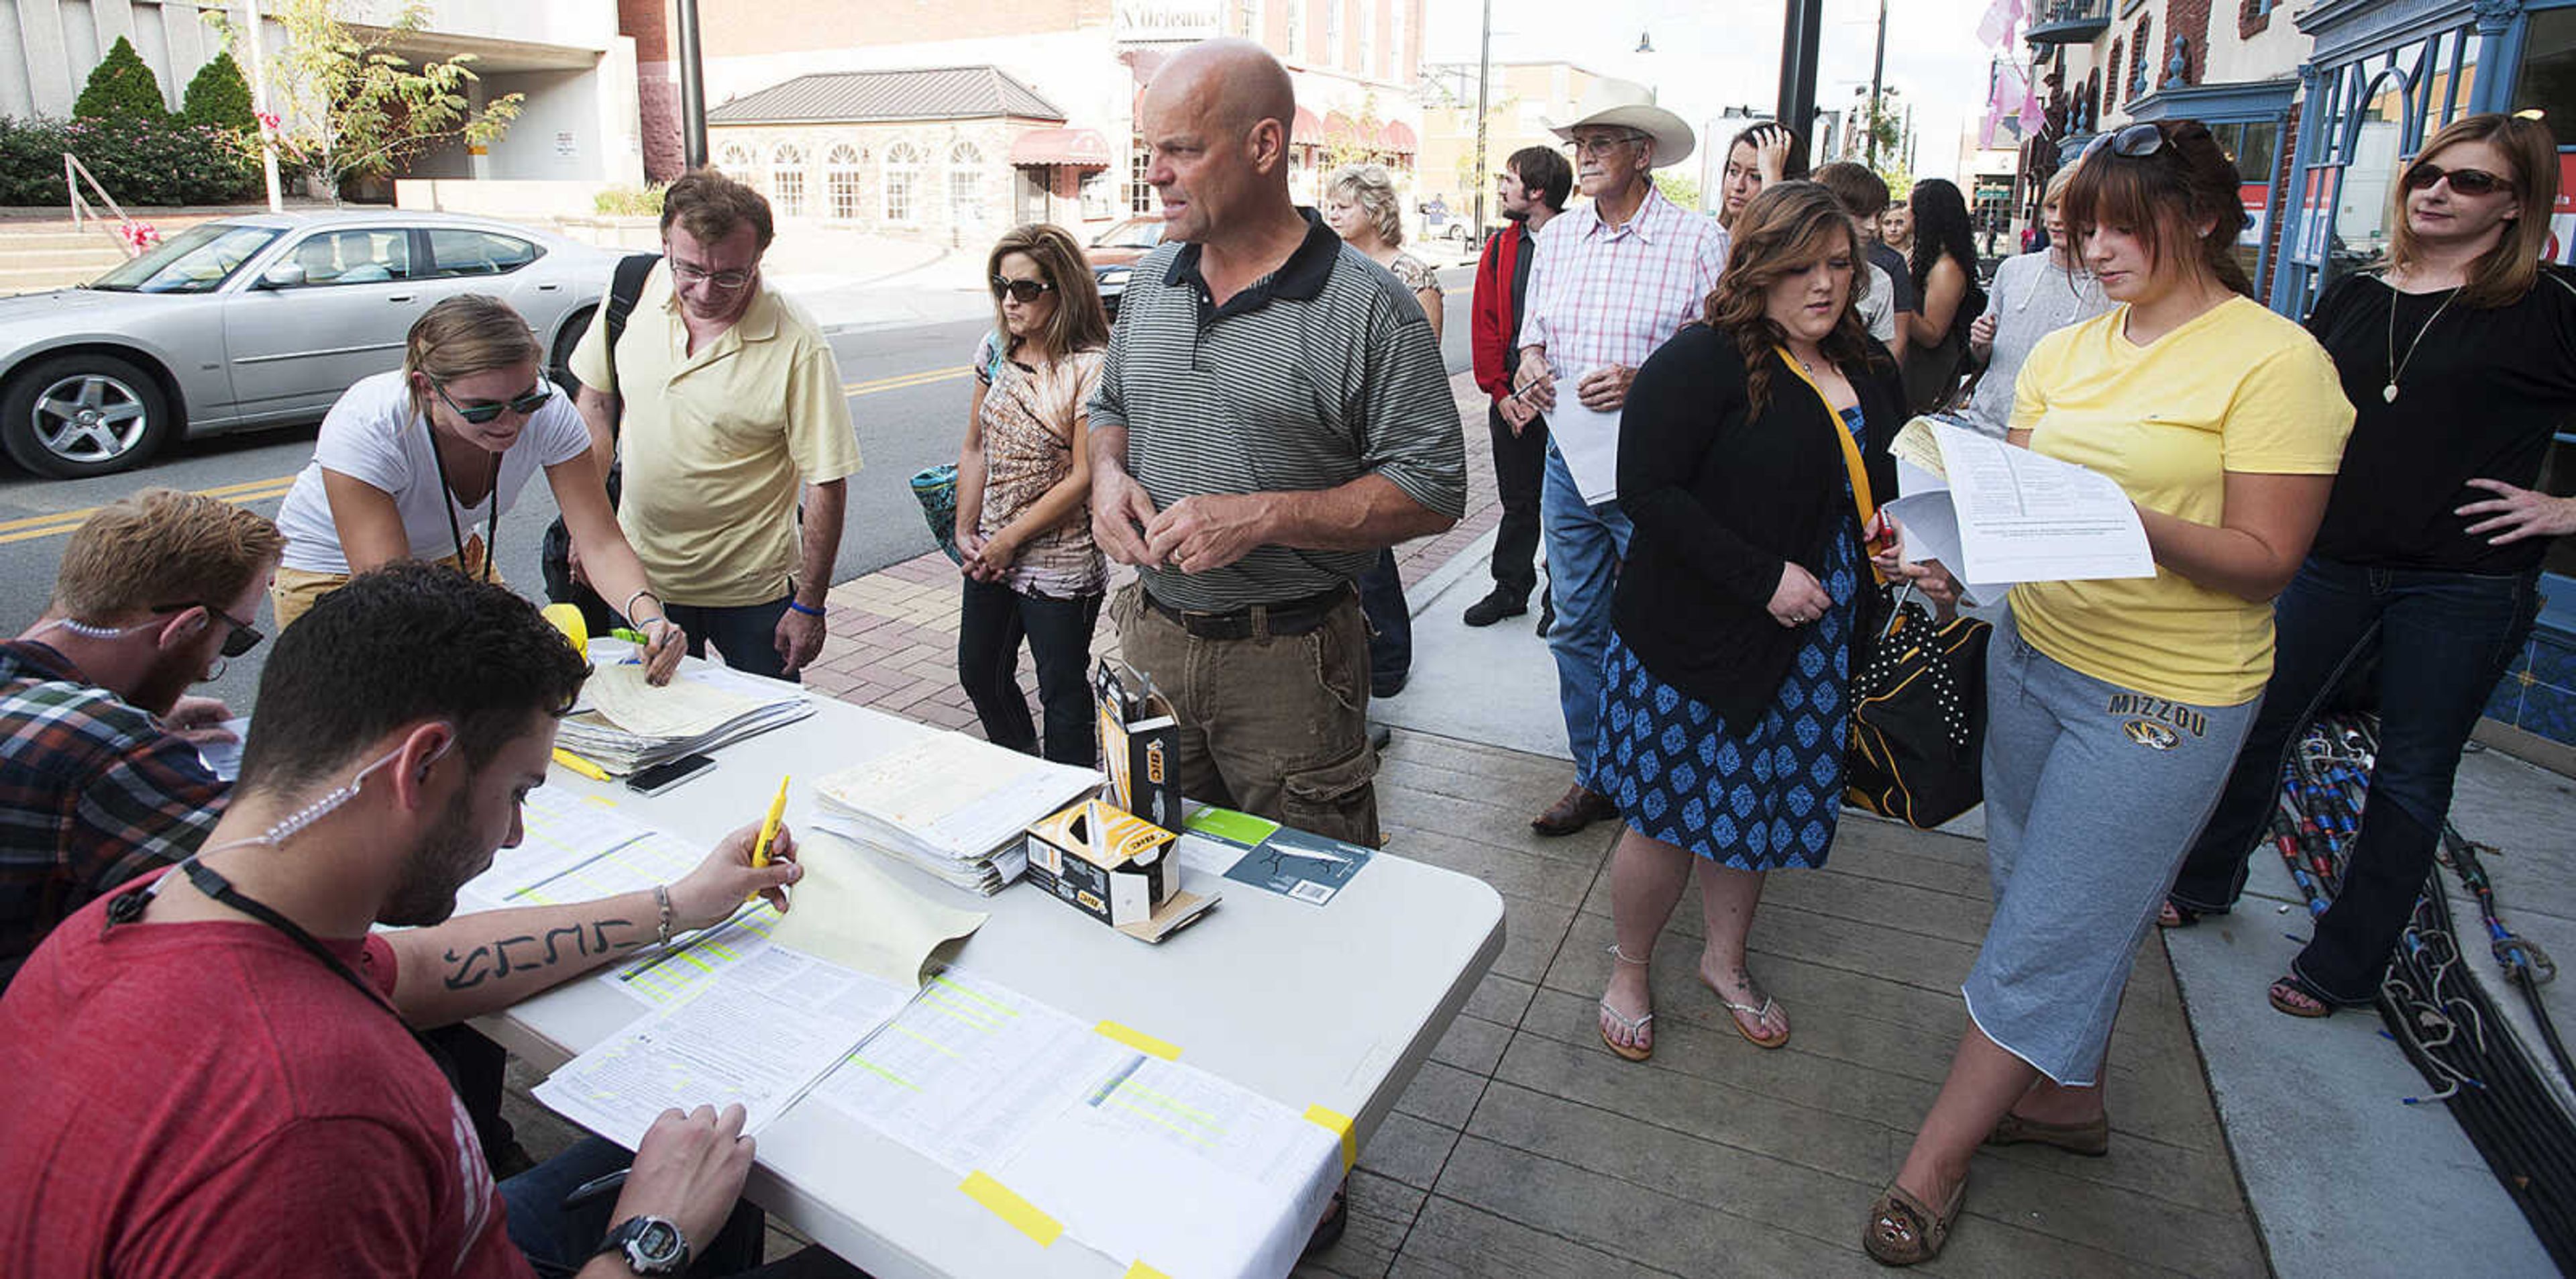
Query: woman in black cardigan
1722	708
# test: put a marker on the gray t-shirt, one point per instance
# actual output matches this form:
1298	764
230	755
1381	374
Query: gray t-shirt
2031	297
1878	308
1312	377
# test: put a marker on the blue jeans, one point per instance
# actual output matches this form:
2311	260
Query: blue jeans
992	621
557	1242
1585	544
747	634
2442	641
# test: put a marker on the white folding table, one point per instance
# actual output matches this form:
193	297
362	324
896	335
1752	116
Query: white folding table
1336	1006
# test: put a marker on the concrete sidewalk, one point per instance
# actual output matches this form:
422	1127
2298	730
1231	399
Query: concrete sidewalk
1526	1148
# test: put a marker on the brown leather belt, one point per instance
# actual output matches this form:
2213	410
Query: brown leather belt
1295	617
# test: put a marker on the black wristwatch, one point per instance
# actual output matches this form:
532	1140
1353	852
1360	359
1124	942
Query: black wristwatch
650	1245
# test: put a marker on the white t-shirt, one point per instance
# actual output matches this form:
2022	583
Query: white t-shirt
1878	310
373	436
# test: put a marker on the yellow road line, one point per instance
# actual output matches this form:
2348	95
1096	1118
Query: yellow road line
36	526
48	525
902	380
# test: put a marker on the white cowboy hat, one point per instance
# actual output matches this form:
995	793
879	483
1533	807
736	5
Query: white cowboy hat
1622	105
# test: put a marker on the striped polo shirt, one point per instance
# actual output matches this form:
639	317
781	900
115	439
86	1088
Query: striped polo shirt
1317	374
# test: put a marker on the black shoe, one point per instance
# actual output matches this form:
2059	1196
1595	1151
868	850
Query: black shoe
1329	1231
1495	607
1379	735
1381	689
1546	616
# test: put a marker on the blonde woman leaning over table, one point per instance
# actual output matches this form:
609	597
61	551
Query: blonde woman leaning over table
2115	708
1023	497
423	461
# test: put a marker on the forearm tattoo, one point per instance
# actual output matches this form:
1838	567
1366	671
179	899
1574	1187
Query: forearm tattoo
529	952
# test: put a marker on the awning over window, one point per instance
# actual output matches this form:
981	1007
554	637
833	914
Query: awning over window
1398	137
1306	130
1077	148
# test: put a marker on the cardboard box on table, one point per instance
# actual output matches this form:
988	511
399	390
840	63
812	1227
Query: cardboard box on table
1115	867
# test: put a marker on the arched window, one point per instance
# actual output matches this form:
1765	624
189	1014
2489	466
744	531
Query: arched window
735	161
965	185
841	167
902	174
787	179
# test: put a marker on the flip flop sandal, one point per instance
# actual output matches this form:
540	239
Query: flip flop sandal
2176	915
1903	1230
2091	1139
2293	983
1757	1014
1633	1026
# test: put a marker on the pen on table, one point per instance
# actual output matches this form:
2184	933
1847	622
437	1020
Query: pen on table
579	765
769	827
595	1189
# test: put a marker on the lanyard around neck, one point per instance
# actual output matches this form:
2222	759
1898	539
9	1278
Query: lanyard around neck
447	502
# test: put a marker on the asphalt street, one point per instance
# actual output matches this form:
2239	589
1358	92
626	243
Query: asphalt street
908	394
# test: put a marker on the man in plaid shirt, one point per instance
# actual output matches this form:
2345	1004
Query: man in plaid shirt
100	779
1611	281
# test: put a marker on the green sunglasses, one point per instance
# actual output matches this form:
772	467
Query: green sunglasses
523	404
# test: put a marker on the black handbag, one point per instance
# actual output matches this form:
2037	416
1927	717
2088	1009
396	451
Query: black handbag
1918	726
1917	691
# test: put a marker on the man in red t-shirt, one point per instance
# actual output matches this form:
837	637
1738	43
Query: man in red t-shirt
214	1072
1530	190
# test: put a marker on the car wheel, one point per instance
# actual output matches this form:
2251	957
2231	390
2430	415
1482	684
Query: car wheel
567	338
80	415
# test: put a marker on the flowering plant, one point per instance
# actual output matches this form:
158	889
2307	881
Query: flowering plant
139	237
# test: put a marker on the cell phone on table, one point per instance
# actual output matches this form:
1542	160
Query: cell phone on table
662	777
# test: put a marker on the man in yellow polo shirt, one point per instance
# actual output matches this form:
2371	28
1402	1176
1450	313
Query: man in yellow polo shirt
726	406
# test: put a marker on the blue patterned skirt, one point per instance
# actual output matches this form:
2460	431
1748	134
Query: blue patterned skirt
1760	799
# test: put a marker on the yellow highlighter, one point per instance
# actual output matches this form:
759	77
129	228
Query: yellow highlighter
769	828
579	765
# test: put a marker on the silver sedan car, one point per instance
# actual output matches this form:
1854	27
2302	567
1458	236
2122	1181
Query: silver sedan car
257	321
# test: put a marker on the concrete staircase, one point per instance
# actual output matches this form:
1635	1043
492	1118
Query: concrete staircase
41	249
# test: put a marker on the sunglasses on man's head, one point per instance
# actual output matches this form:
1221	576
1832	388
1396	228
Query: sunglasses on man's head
483	411
2423	175
1021	290
241	639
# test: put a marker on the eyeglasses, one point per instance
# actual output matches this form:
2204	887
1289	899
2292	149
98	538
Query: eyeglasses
241	639
1021	290
2422	176
523	404
2140	139
1601	143
725	281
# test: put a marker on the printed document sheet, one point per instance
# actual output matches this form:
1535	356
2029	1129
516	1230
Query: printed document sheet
1995	514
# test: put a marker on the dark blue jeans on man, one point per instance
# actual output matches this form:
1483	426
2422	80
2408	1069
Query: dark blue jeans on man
557	1242
2442	639
1390	622
746	634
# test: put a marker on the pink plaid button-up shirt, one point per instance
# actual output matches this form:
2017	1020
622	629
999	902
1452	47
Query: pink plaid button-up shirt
1611	295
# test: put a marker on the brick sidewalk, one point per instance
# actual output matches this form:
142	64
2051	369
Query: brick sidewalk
893	633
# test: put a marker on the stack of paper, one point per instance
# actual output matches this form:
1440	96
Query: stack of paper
949	804
625	724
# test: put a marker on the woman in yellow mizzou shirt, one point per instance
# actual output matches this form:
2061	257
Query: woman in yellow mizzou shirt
2115	708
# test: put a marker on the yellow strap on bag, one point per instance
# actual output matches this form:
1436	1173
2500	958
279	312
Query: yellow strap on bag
1852	465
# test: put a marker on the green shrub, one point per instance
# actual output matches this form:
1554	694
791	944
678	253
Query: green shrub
138	164
122	87
628	202
219	97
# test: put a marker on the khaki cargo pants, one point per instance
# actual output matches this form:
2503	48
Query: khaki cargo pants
1274	725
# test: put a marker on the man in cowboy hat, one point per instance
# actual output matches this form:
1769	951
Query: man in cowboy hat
1611	280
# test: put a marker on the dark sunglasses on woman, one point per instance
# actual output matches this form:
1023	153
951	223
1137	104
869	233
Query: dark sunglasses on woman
2422	175
1021	290
481	412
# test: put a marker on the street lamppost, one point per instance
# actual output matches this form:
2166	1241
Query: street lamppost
1484	74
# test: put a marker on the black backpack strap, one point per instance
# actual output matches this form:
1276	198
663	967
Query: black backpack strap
624	288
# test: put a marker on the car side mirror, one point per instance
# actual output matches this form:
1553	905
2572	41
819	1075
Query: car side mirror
285	275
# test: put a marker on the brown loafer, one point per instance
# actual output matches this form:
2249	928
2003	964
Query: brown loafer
2091	1139
1579	808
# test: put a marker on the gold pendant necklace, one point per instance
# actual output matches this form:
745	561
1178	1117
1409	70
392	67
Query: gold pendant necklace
2396	366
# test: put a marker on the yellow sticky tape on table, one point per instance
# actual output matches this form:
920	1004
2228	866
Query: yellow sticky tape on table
1341	1126
1139	1270
1007	1205
1140	1041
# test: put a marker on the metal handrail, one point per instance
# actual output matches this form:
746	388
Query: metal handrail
75	173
